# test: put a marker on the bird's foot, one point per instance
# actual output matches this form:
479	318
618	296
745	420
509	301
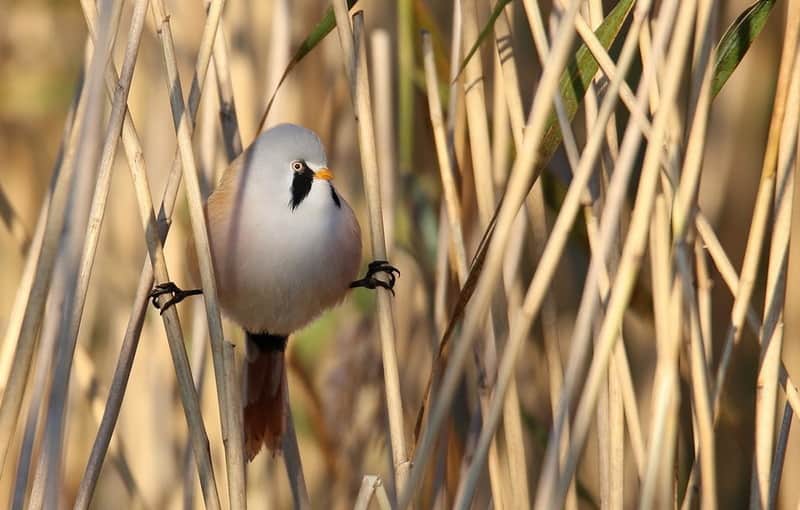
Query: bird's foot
176	292
370	281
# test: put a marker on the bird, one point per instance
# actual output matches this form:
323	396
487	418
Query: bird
285	247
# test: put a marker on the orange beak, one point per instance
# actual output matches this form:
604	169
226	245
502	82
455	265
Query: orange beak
324	174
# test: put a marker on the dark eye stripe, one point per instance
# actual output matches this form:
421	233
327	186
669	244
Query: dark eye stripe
301	186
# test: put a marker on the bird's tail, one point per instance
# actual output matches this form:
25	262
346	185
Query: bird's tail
264	393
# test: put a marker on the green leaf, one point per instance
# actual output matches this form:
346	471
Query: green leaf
487	29
318	33
579	73
737	40
574	82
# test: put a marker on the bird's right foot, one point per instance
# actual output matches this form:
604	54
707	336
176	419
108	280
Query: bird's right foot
176	292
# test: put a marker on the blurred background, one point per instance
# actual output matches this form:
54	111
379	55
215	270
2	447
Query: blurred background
335	377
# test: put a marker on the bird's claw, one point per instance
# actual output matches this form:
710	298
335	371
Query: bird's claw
371	282
177	293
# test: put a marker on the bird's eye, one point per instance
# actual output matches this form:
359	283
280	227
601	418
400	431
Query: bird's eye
297	166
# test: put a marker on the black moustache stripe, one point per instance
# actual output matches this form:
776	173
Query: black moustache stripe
301	186
335	198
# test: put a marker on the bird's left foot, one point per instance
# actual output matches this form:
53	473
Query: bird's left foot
177	293
370	281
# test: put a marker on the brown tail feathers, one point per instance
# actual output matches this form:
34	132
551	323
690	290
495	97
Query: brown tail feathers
264	393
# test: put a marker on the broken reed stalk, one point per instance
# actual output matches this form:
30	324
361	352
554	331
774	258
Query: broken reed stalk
354	56
184	124
372	487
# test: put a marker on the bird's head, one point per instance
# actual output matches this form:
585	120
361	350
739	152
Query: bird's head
296	162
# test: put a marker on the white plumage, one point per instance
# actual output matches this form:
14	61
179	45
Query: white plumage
279	267
285	247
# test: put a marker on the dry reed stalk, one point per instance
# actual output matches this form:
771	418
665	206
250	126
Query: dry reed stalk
372	487
506	83
30	321
86	376
41	382
684	205
354	56
451	200
131	338
229	119
116	390
381	55
620	378
534	206
621	372
552	487
771	334
523	175
745	285
405	85
554	248
130	342
481	159
198	366
28	272
453	214
501	128
762	207
549	319
536	212
231	436
453	137
776	472
278	56
731	279
42	364
133	150
46	488
704	286
611	442
69	332
666	375
291	458
115	394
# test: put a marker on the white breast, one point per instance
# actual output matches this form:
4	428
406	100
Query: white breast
277	268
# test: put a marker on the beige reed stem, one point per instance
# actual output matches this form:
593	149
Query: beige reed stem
354	56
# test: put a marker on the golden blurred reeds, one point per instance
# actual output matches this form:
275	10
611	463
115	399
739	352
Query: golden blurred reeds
596	301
